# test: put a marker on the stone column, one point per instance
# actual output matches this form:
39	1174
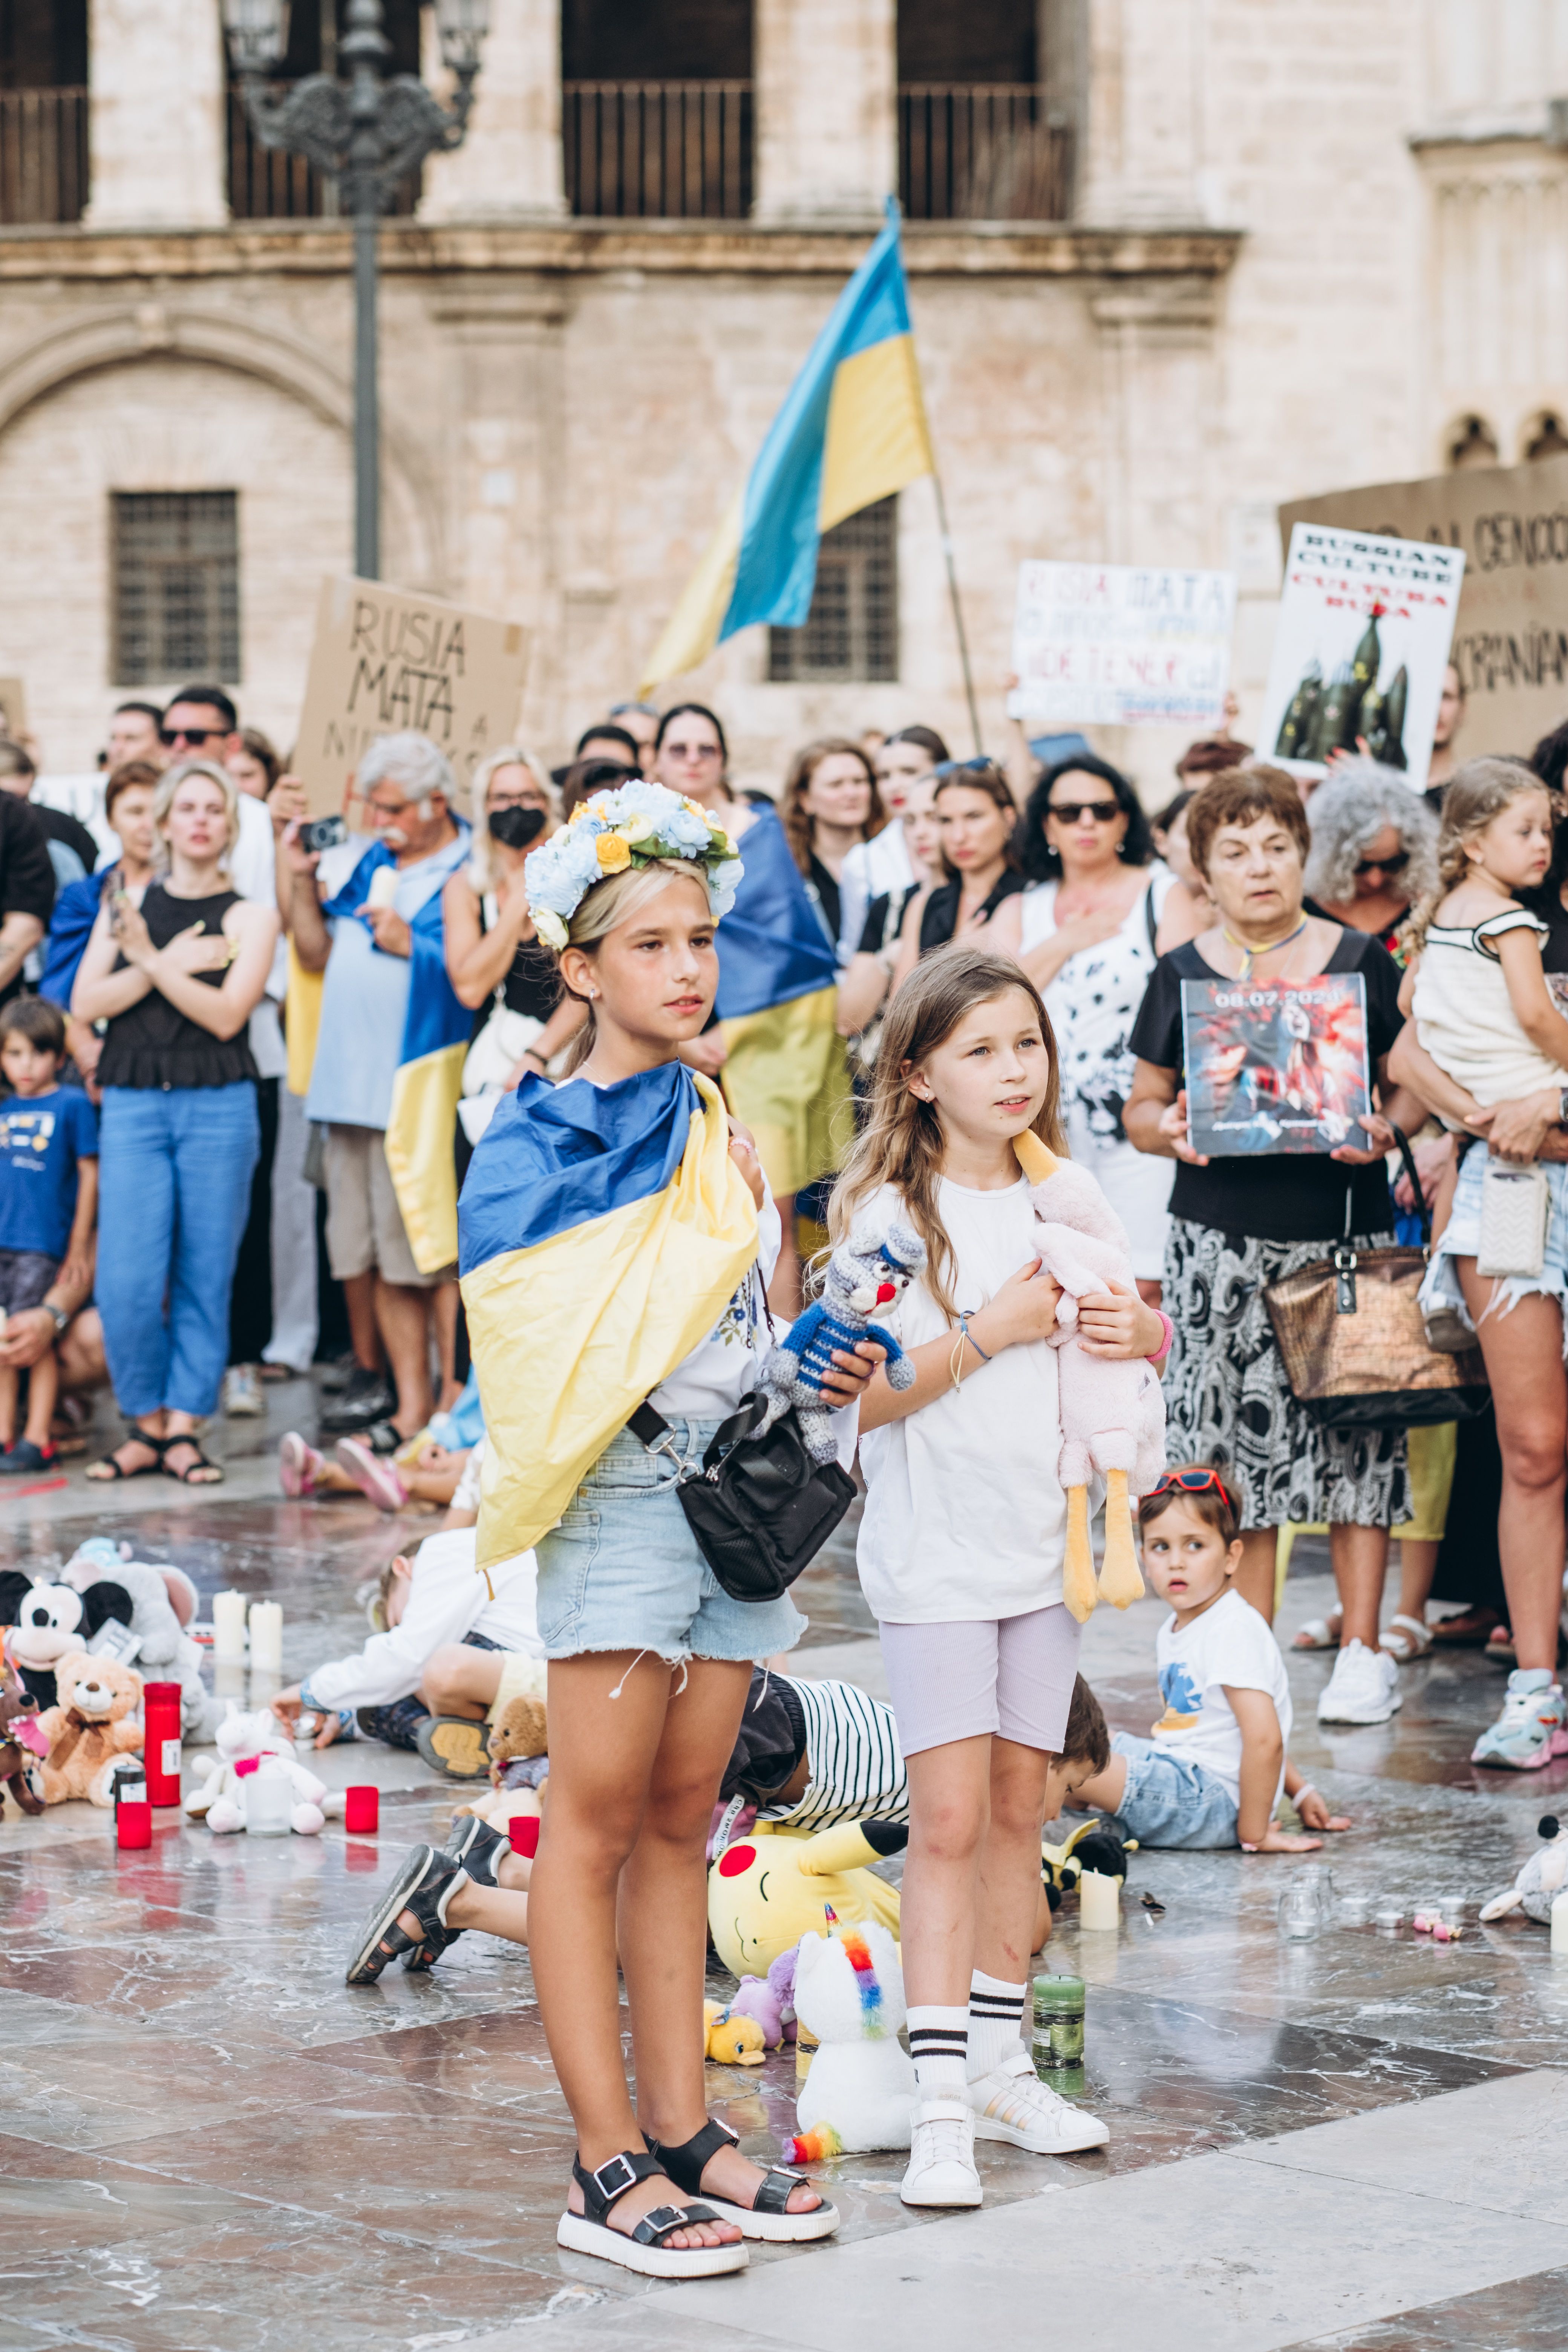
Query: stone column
509	166
826	123
157	103
1140	153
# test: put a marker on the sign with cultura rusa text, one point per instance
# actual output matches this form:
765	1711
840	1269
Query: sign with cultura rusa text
1365	623
1121	645
382	661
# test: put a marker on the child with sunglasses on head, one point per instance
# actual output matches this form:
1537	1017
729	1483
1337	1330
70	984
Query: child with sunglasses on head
1215	1766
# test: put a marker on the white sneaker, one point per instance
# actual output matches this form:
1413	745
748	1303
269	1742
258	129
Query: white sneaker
942	2156
1363	1688
242	1399
1010	2103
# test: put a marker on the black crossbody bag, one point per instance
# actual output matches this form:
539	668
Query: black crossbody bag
760	1508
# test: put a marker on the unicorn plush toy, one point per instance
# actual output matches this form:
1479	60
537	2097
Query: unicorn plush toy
860	2092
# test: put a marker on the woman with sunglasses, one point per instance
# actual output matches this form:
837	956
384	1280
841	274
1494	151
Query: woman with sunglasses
978	820
1097	912
1373	849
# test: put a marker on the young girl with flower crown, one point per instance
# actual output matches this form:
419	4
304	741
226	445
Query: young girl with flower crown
616	1231
960	1550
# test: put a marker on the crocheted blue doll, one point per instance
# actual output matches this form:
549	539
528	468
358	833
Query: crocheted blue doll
862	1275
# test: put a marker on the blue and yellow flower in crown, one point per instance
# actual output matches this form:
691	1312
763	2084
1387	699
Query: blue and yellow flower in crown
612	832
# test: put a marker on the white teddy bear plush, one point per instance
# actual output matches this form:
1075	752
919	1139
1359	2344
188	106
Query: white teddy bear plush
163	1602
249	1745
1541	1879
860	2092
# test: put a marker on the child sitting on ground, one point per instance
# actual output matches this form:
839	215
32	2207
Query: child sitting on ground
49	1202
1212	1771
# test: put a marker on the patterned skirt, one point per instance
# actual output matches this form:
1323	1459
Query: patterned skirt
1228	1403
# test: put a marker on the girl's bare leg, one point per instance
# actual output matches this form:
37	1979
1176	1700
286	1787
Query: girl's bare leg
950	1802
1254	1580
1360	1557
1418	1567
1523	1351
1007	1915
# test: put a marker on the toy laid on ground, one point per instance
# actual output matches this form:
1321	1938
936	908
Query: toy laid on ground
860	2092
163	1603
1541	1879
45	1620
731	2038
248	1743
862	1275
87	1728
518	1733
1091	1847
772	1888
771	2000
23	1746
1112	1413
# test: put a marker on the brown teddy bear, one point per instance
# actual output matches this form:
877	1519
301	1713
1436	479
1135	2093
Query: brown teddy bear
86	1728
518	1731
22	1745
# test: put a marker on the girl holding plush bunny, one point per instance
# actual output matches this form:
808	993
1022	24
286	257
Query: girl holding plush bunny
961	1549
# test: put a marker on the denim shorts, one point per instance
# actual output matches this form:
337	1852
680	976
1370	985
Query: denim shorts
1171	1801
623	1571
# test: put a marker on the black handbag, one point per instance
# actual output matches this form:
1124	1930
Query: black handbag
760	1508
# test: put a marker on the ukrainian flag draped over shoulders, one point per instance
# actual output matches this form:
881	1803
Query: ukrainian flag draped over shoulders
852	430
603	1231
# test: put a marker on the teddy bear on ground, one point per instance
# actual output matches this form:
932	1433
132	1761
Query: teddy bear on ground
87	1728
517	1733
1541	1879
248	1743
23	1747
1112	1413
163	1603
860	2092
863	1275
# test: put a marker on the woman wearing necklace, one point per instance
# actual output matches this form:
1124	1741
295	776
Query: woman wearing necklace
1239	1225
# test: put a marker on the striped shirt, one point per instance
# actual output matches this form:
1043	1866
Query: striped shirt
854	1766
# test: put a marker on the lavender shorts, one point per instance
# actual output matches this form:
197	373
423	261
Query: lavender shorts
1008	1675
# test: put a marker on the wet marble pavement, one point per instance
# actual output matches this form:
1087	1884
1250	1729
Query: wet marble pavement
206	2140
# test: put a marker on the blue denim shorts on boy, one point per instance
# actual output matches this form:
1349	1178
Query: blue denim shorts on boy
1170	1801
623	1571
24	1275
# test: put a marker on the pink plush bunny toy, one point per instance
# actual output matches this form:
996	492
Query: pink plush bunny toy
1112	1415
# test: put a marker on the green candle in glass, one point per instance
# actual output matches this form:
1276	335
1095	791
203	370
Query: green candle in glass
1058	2031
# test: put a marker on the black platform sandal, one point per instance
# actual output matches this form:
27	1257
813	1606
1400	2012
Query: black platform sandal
644	2248
424	1885
768	2215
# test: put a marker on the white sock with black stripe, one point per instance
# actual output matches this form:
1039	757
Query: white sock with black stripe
995	2021
939	2044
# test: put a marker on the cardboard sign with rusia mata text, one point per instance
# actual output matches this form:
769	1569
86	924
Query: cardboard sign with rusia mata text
384	660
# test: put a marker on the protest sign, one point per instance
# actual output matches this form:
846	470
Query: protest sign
13	708
1120	644
1360	650
1511	641
1274	1065
383	660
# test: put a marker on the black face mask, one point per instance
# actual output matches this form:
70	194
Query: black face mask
514	828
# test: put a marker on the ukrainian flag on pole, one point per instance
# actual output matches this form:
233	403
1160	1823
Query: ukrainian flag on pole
852	431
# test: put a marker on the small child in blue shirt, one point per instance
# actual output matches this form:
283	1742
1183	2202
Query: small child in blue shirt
48	1203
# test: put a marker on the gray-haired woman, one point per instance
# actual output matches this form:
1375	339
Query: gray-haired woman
1373	850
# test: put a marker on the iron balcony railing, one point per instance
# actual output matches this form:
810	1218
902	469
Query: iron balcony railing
657	150
43	156
982	150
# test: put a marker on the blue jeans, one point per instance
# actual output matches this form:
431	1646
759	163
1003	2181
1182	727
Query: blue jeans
1170	1801
174	1172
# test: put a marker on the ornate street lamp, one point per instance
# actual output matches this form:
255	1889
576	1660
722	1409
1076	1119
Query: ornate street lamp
368	132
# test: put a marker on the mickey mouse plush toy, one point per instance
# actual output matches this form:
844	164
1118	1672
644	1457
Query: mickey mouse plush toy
42	1621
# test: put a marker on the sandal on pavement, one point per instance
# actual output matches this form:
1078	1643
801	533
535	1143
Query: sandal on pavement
104	1473
642	2249
768	2214
454	1747
1470	1630
189	1477
1499	1646
1320	1634
1406	1638
424	1885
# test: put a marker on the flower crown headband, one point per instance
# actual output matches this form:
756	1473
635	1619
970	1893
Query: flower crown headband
634	825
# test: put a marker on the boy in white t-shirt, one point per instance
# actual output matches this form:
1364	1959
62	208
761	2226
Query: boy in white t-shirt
1213	1767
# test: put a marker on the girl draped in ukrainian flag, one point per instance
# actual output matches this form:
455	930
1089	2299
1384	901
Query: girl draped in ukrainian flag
615	1234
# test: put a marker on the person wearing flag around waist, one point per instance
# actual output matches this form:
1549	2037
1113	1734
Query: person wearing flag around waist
614	1233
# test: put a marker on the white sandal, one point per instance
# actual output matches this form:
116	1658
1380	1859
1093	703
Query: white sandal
1320	1634
1405	1639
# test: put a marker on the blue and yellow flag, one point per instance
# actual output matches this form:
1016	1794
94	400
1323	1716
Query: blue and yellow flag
852	431
603	1230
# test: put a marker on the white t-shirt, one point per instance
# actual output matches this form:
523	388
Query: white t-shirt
448	1598
870	867
964	1514
253	870
1228	1643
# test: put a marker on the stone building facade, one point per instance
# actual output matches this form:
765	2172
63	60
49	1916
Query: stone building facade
1300	244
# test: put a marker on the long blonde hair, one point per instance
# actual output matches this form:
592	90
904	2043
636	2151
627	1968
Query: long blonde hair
603	909
481	866
901	1143
1478	791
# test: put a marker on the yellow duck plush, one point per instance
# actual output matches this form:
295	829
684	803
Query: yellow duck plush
729	2039
774	1886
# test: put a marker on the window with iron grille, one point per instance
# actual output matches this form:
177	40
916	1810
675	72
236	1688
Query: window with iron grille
852	629
176	586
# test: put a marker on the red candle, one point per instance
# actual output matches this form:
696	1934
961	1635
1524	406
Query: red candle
523	1831
161	1744
361	1809
132	1826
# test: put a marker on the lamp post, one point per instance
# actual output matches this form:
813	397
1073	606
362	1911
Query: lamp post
367	131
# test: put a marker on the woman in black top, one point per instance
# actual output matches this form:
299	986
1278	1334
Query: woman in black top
1240	1224
829	803
175	980
493	960
978	818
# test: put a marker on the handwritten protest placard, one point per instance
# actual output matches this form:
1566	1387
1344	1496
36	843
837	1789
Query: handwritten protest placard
1119	645
383	660
1362	645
